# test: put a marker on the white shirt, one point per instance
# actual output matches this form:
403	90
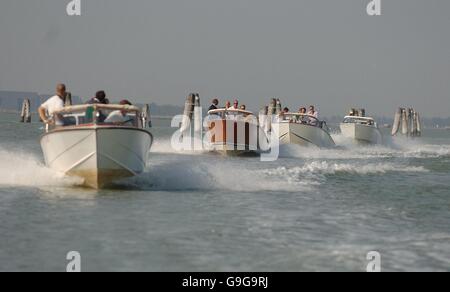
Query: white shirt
312	121
116	117
314	114
52	105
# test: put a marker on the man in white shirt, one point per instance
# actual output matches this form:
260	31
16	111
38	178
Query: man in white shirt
235	105
315	114
54	104
119	117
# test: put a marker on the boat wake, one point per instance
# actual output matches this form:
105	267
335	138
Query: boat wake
25	170
211	173
396	148
327	168
299	168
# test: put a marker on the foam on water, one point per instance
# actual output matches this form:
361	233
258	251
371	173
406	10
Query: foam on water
212	173
300	168
328	168
24	169
397	147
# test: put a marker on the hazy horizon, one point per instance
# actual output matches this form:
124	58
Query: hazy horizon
323	52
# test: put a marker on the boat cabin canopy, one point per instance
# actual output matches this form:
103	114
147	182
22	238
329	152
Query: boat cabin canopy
304	119
359	120
97	114
224	113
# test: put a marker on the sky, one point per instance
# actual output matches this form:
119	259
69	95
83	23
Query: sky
324	52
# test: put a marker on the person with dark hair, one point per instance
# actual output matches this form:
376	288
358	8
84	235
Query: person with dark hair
100	98
214	104
119	117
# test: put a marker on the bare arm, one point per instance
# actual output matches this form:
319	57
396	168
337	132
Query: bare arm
42	114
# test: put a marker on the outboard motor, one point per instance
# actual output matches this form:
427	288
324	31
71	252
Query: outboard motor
25	115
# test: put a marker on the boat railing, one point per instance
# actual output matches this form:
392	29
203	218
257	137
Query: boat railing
96	114
360	120
305	119
224	112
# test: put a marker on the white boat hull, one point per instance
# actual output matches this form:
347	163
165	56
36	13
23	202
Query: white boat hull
99	155
362	133
304	135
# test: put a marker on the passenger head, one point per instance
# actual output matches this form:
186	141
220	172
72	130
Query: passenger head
215	102
61	90
303	110
243	107
125	102
286	110
228	104
312	108
236	104
101	96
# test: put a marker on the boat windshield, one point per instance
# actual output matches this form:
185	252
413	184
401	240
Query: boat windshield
229	113
304	119
359	120
108	115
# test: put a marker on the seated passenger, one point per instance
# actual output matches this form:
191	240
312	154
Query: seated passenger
282	117
119	117
314	116
235	105
214	105
100	98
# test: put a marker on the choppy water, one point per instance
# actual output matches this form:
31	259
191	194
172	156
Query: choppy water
309	211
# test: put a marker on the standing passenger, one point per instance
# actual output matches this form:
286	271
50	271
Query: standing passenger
47	109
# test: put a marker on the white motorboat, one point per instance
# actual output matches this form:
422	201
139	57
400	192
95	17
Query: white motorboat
361	129
100	153
303	130
232	132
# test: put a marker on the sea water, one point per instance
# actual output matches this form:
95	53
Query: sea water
311	210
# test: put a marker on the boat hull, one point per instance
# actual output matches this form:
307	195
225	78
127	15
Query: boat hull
99	155
365	134
232	138
304	135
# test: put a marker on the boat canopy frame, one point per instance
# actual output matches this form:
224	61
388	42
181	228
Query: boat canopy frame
82	111
370	121
312	120
230	111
